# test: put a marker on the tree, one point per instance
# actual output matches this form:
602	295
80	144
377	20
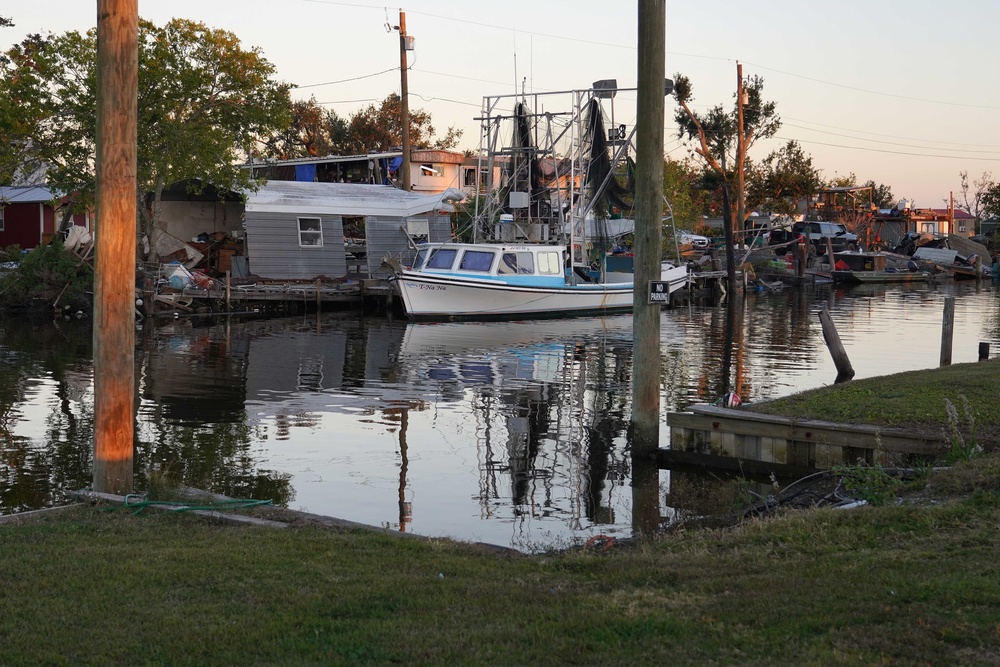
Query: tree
718	140
203	102
990	202
5	22
313	132
970	197
881	194
377	128
781	179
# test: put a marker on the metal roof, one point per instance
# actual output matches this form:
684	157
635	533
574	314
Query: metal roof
27	194
346	199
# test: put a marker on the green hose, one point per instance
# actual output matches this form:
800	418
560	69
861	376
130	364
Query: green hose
189	507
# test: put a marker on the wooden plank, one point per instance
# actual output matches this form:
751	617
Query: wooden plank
712	419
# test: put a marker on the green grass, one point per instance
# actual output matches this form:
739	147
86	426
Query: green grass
914	400
902	584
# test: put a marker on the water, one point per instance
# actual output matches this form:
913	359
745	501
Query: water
507	433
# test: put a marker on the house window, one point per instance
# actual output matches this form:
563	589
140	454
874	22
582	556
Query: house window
928	227
470	178
418	230
429	170
310	233
961	226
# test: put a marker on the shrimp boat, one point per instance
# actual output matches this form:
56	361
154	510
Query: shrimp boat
530	253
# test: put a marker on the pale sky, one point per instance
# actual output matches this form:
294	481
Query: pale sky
901	92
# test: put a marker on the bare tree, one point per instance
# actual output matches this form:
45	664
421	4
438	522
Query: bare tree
970	196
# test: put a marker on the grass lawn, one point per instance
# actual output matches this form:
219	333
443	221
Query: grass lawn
916	581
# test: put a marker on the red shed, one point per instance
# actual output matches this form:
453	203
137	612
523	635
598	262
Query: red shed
28	215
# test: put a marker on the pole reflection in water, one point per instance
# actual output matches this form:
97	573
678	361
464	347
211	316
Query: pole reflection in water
511	433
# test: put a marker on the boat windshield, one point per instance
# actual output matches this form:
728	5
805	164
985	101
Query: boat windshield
550	263
516	262
441	258
477	260
419	260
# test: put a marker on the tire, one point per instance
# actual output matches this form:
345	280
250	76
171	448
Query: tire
852	247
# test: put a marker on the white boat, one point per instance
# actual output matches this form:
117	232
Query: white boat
551	189
501	281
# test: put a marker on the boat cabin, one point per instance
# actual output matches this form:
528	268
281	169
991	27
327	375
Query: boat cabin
513	264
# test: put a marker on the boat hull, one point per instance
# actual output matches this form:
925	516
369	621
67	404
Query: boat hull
428	296
880	277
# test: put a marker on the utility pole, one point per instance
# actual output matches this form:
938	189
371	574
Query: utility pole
404	102
741	153
114	283
645	429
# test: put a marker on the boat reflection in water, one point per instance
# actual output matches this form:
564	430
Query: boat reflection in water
421	427
511	433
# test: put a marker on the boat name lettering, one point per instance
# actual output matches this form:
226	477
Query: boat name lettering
432	287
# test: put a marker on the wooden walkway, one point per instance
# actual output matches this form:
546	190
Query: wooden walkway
706	434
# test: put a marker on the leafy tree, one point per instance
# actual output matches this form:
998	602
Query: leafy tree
203	100
881	194
781	179
377	128
314	131
990	201
5	22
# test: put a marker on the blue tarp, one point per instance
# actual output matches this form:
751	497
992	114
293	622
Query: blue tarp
305	173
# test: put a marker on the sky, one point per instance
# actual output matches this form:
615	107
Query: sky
902	92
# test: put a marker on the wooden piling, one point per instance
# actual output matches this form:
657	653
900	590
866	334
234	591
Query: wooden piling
947	330
844	369
829	252
229	304
650	106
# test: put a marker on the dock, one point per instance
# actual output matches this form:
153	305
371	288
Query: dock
263	297
711	436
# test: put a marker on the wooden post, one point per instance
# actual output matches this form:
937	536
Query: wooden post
645	426
229	304
829	252
148	297
802	253
319	300
844	369
404	102
114	283
947	330
984	351
979	267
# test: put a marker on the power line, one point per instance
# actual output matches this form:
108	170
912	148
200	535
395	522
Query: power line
874	92
880	150
357	78
891	136
879	141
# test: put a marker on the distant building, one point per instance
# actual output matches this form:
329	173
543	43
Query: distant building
30	215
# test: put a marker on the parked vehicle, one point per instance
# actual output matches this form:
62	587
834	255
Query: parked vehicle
816	233
695	240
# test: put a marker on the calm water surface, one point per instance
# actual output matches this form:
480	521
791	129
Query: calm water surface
508	433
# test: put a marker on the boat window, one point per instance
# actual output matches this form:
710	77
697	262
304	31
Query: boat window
419	260
310	232
442	258
516	262
550	263
477	260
